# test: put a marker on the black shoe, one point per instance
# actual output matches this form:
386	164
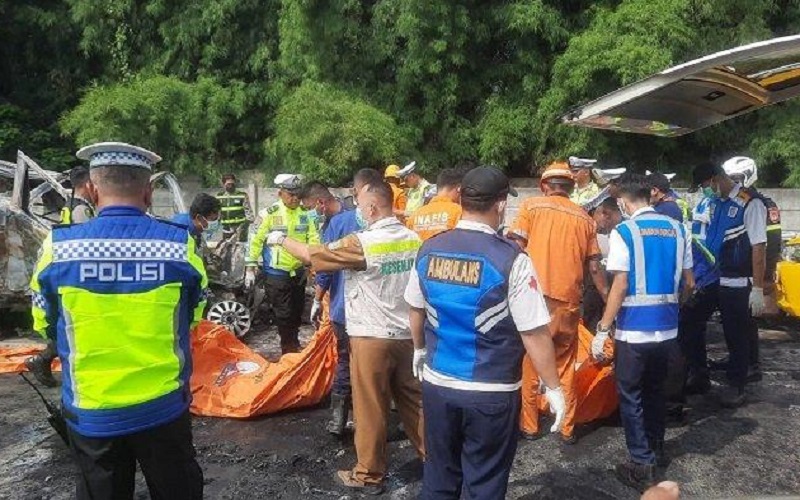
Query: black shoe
637	476
697	384
732	397
718	364
754	374
569	440
674	412
42	370
528	436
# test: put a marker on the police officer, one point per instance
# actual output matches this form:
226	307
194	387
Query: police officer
644	301
739	225
419	191
203	217
586	188
236	210
476	309
337	225
78	209
119	294
285	275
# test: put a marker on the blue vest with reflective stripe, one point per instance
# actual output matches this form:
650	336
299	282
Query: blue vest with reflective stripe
469	332
736	257
656	244
705	244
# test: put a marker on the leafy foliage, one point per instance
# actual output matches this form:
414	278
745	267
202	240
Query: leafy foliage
330	86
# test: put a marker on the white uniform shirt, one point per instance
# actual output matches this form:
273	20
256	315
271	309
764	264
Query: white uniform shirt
755	223
619	260
525	302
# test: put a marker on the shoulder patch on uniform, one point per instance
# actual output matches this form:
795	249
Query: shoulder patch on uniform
456	271
274	208
744	195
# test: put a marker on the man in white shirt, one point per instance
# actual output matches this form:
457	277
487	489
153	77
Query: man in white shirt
651	258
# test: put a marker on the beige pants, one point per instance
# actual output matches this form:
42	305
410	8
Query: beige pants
380	371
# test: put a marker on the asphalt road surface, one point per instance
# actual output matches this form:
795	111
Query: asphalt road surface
715	453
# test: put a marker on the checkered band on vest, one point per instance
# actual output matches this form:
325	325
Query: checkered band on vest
119	158
119	250
38	300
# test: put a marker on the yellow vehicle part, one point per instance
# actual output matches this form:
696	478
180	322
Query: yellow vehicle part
789	287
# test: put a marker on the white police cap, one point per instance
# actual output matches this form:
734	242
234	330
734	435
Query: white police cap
577	163
289	182
606	175
109	154
407	170
668	176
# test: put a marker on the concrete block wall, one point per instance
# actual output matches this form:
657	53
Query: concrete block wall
261	197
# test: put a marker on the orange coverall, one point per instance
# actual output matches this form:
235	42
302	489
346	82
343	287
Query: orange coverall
560	240
439	215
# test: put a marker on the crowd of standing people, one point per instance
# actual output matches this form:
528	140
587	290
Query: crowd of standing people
441	307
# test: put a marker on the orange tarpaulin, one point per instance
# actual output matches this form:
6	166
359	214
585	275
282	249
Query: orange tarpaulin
12	359
231	380
595	386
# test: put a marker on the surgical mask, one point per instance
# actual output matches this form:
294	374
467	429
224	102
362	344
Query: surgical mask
362	222
622	206
708	192
212	227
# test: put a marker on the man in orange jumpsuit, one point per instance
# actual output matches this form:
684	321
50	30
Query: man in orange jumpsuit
390	175
443	211
561	240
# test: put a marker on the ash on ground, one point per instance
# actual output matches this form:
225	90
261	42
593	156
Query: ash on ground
752	451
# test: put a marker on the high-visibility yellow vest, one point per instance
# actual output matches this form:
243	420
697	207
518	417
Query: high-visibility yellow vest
295	224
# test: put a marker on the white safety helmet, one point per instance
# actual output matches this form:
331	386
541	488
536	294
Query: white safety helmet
741	167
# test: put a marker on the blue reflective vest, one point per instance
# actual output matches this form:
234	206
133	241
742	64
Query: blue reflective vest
656	244
706	244
736	252
469	332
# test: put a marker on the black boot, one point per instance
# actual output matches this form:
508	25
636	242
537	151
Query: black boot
339	410
657	445
289	342
637	476
697	383
732	397
754	373
41	369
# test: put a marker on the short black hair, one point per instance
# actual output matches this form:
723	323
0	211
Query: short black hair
659	181
367	176
449	178
227	177
204	204
635	186
609	204
78	176
383	192
120	180
316	190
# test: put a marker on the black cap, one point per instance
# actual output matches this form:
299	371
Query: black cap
659	181
702	173
486	183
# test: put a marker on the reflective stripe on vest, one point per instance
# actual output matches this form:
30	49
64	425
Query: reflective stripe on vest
641	297
232	214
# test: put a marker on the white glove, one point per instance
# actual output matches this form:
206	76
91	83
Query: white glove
598	342
275	238
756	301
558	407
419	362
249	277
316	311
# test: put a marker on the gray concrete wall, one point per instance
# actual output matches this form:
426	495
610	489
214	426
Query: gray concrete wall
787	199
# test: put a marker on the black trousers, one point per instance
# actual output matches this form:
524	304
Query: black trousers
692	328
741	332
641	370
287	297
470	442
107	466
341	378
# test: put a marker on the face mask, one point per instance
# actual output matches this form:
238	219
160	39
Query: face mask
212	227
230	187
622	207
708	192
362	222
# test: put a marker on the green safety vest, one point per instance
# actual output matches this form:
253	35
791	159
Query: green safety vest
295	224
233	208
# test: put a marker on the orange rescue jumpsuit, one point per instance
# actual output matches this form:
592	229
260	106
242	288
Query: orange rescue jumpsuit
561	238
441	214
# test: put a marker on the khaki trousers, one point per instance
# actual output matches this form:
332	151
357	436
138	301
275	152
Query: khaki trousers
564	318
380	371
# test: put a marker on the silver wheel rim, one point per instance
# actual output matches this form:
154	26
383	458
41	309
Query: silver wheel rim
232	315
